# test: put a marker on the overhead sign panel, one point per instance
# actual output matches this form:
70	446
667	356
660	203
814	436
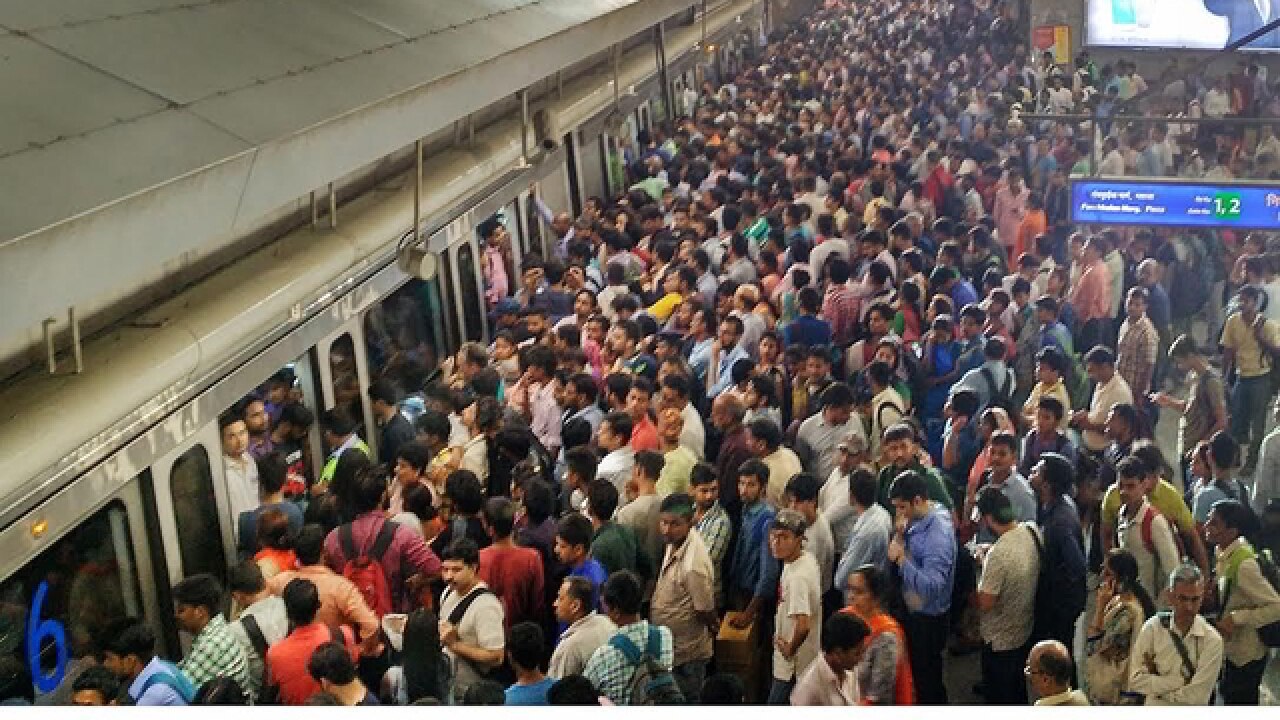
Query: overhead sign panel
1169	203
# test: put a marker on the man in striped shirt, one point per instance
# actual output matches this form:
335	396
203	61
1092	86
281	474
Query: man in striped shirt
215	652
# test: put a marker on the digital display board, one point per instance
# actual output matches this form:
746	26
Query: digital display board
1121	201
1180	24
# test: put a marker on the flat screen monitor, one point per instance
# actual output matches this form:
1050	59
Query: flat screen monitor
1180	24
1172	203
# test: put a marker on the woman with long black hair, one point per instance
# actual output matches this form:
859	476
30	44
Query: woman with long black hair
1122	608
424	670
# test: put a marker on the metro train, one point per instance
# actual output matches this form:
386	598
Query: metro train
96	529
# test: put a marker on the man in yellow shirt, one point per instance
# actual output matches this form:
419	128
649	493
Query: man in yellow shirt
1165	498
1249	340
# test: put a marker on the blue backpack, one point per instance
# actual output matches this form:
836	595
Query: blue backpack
173	678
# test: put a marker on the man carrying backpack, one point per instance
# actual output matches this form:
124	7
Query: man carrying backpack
634	668
377	555
472	627
1248	601
129	651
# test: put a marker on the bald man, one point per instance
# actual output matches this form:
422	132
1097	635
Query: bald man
1049	671
727	412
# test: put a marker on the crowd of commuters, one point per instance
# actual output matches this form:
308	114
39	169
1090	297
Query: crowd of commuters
833	395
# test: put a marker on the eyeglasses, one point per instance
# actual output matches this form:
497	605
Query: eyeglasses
1028	671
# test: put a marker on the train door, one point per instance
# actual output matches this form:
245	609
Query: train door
193	507
344	377
69	571
466	281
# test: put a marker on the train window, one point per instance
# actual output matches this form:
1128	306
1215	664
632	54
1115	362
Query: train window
469	294
346	380
399	336
533	222
195	513
88	583
449	303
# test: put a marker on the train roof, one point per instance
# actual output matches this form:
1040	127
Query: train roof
154	129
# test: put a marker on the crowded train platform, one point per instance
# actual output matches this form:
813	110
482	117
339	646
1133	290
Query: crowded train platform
833	405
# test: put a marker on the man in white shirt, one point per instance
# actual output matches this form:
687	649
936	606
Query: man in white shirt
1157	667
1143	531
239	467
614	439
586	631
798	620
832	678
834	499
1006	598
1110	390
1049	672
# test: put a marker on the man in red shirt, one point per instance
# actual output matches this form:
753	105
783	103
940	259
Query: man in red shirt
644	434
287	660
514	573
1091	298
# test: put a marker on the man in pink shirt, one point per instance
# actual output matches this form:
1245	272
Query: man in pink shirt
1091	298
1010	208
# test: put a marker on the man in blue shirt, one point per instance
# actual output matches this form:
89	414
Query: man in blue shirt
129	652
808	330
924	551
525	649
723	357
753	569
1052	479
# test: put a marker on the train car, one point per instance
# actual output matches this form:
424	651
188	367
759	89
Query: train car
113	486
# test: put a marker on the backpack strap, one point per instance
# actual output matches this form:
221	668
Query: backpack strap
654	648
460	610
382	543
1147	542
1188	667
256	638
628	649
347	539
1237	558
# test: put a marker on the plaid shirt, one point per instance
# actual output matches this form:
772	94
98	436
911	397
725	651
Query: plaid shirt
716	529
215	652
609	671
840	307
1136	354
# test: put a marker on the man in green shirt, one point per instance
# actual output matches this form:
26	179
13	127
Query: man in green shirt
614	546
900	453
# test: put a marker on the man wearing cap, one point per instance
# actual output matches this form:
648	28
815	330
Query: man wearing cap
833	499
817	438
798	619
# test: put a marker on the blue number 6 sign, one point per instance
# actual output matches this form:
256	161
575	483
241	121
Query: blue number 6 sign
37	632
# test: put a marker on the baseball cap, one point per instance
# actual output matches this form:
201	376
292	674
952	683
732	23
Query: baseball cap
854	443
789	519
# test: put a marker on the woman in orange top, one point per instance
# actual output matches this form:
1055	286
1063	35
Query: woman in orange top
275	544
884	674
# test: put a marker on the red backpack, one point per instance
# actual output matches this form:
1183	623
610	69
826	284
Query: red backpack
1150	544
365	570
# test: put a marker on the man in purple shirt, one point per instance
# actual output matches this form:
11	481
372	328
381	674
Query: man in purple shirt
407	560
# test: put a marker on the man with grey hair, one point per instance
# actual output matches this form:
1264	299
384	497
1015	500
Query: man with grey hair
1178	655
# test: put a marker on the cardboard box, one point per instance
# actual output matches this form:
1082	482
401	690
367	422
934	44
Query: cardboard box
737	648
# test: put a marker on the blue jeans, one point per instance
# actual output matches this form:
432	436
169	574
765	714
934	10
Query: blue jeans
690	677
780	692
1249	400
